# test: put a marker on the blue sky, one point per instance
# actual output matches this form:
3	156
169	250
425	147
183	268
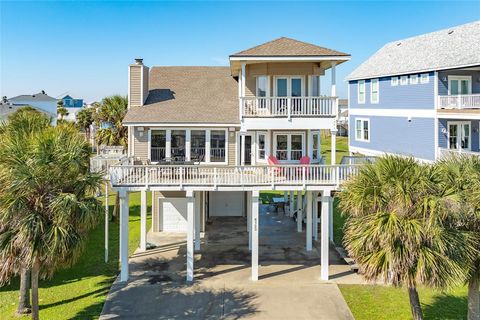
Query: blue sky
84	47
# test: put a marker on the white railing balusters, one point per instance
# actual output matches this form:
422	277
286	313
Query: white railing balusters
463	101
288	106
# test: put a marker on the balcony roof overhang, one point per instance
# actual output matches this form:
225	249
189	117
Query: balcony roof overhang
237	61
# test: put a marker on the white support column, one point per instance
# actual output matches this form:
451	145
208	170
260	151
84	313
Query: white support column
334	146
197	221
168	143
334	80
254	232
190	227
242	149
207	145
291	204
124	235
299	211
188	144
309	144
330	218
315	216
308	231
106	221
249	219
143	220
324	235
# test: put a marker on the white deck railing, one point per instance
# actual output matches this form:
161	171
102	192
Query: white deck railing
289	107
464	101
444	152
215	176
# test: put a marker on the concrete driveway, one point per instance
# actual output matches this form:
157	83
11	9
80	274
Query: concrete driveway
288	286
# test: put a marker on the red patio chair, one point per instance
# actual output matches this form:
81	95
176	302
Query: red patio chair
304	161
273	161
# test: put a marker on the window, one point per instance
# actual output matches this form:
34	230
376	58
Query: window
282	87
459	85
261	146
289	86
361	91
394	81
197	145
414	79
424	78
262	86
362	130
374	91
289	146
217	146
316	146
315	86
177	149
157	145
403	80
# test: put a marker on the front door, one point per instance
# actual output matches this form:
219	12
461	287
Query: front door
458	85
246	150
459	136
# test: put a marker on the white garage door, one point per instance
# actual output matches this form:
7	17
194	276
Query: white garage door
173	213
226	204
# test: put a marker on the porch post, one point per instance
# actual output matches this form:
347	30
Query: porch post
334	146
106	221
124	235
168	143
197	220
324	235
299	211
308	231
334	80
291	204
249	219
330	218
188	144
254	235
190	227
242	149
315	216
143	220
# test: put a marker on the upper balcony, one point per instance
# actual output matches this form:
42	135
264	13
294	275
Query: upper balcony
459	102
279	85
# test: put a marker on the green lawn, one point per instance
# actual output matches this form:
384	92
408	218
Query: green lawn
341	150
80	291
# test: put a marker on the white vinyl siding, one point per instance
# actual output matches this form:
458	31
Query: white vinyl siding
374	91
361	91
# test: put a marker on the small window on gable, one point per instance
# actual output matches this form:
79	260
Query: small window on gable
414	79
403	80
361	91
394	81
374	91
424	78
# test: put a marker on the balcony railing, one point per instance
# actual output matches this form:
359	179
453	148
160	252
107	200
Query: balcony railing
228	176
288	107
444	152
464	101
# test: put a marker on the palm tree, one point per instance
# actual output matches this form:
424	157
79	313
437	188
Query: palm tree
462	174
47	202
109	119
61	110
85	120
399	227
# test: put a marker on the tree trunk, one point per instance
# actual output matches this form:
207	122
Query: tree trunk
24	292
35	273
415	306
116	208
474	298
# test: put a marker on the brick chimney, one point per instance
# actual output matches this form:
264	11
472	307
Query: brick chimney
137	83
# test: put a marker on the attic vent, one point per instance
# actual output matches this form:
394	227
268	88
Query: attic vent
398	43
450	31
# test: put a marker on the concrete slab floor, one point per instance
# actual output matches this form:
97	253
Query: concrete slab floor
288	288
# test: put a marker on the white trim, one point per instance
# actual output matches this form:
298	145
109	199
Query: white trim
424	80
289	144
459	134
394	83
412	77
362	132
411	71
289	58
256	85
149	144
417	113
378	91
289	84
364	92
238	144
180	124
459	116
377	153
404	77
257	151
460	78
435	103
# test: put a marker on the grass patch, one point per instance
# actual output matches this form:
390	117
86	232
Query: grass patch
79	292
384	303
341	149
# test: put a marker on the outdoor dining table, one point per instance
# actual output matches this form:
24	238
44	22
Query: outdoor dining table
279	202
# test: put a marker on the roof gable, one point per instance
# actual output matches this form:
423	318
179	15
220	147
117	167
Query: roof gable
445	49
285	47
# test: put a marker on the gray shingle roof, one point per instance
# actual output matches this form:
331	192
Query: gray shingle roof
287	47
32	97
188	95
449	48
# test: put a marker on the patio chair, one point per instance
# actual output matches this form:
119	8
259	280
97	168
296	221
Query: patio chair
304	161
273	161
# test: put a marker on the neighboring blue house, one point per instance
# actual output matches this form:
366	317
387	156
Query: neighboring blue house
418	96
40	101
73	106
